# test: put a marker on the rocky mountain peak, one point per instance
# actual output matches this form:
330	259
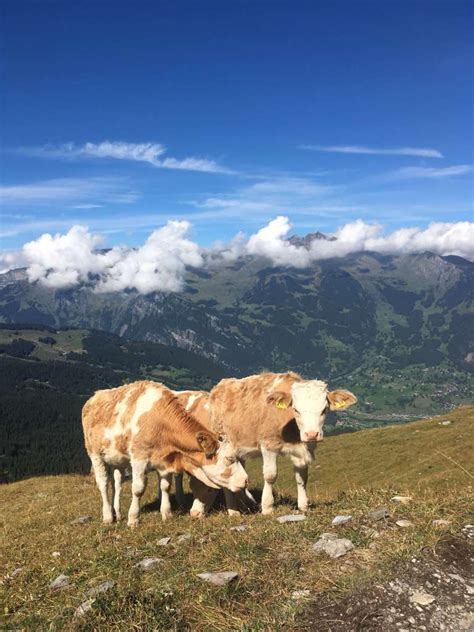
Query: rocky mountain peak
306	240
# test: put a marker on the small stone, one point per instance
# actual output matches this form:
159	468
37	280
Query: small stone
219	579
299	595
148	563
291	518
444	423
184	537
422	598
441	524
17	571
61	581
164	541
56	554
85	607
240	527
101	588
334	547
404	523
338	520
81	520
378	514
404	500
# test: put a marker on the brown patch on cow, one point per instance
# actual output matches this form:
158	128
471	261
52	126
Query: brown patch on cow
164	430
239	409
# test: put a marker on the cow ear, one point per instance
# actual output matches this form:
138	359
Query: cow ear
280	399
341	399
207	443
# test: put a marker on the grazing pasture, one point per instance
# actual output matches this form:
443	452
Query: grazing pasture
352	475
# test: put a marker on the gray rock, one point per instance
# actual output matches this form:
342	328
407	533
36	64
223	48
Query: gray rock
101	588
291	518
17	571
148	563
333	546
338	520
81	520
61	581
240	527
442	524
445	423
56	554
421	598
184	537
219	579
404	523
378	514
85	607
164	541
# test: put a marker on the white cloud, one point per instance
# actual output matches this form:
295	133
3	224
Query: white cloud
74	258
440	238
356	149
62	261
151	153
409	173
68	190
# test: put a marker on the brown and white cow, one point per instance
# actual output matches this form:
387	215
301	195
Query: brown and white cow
271	414
144	425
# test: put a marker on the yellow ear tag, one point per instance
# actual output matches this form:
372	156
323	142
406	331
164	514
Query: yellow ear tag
281	405
340	405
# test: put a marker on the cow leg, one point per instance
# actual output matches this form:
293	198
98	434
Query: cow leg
232	503
204	496
301	474
165	486
117	490
102	479
158	490
178	489
269	475
138	488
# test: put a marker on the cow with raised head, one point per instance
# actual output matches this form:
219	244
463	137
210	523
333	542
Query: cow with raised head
144	425
272	414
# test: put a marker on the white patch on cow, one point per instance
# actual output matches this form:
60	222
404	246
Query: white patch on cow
206	406
192	399
276	382
144	404
120	409
309	403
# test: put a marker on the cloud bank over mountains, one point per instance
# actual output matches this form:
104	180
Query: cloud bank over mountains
76	258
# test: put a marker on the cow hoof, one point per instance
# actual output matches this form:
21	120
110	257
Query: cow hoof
233	512
108	520
303	508
166	515
118	516
267	511
133	524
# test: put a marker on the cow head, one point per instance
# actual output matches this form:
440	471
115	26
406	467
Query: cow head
220	466
310	401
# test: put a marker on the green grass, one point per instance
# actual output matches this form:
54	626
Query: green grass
352	474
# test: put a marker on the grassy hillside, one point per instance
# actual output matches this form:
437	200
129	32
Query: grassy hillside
353	474
46	375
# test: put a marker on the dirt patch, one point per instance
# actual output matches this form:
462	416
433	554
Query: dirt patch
433	592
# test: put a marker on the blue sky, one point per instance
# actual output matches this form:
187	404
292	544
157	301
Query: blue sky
121	116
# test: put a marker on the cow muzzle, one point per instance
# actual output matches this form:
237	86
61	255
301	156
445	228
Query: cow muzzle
311	437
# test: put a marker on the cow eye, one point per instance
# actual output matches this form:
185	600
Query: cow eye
296	411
